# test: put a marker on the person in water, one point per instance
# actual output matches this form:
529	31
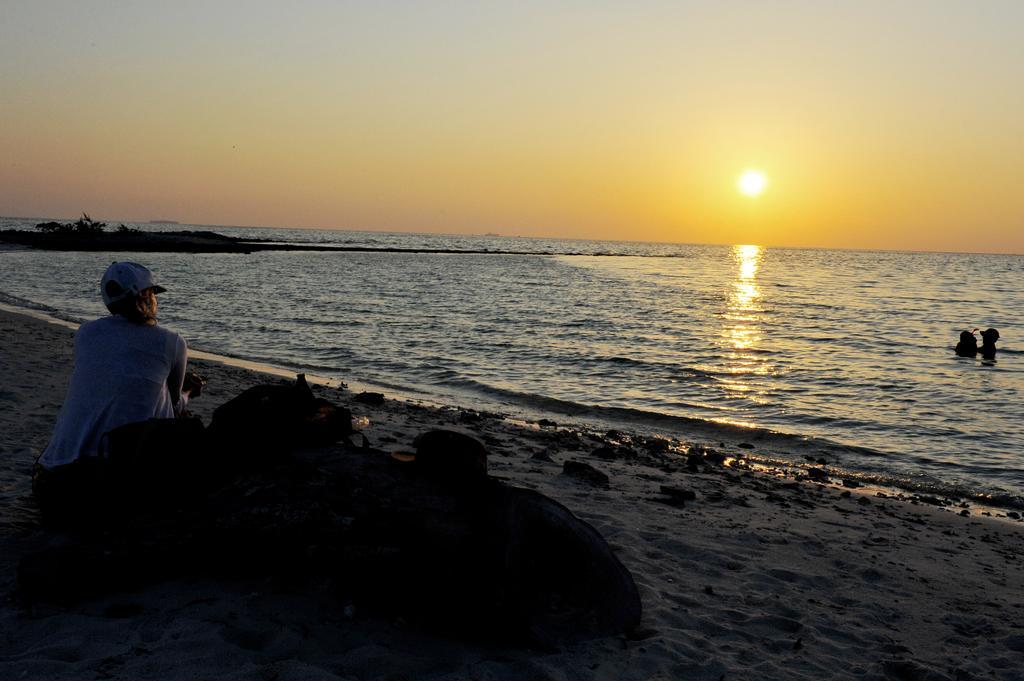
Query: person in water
968	345
988	343
127	369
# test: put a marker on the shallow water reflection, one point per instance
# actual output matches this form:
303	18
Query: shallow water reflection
742	331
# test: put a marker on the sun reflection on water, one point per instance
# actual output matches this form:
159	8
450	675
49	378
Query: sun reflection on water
741	332
743	311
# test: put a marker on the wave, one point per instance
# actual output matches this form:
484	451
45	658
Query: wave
776	449
17	301
632	415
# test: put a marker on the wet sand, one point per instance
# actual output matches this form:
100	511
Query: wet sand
761	576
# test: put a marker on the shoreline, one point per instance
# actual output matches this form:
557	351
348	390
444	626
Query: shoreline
759	576
758	448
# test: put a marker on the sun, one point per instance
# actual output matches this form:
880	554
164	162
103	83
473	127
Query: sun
752	183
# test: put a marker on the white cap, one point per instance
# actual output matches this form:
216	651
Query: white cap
123	279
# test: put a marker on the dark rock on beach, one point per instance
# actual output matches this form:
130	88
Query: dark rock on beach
657	444
614	453
372	399
585	472
819	474
693	462
713	456
450	455
675	496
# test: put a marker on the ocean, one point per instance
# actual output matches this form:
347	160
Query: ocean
849	353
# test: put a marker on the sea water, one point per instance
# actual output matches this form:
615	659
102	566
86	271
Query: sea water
851	348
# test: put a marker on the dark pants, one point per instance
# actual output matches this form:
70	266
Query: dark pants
73	491
146	466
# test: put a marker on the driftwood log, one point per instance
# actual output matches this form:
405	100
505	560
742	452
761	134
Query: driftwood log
435	540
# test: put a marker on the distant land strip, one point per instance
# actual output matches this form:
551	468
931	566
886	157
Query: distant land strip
212	242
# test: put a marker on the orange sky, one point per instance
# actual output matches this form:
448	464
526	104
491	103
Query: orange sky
880	125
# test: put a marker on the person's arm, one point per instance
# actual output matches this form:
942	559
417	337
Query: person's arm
176	379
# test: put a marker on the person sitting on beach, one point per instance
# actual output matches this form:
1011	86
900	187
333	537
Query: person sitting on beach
127	369
988	343
968	345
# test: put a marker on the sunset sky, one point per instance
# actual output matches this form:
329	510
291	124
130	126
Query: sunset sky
896	125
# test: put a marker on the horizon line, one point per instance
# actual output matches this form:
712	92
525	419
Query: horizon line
536	238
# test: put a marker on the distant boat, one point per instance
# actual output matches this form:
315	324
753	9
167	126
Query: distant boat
492	234
164	222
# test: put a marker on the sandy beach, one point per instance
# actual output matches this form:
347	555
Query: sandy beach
761	576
